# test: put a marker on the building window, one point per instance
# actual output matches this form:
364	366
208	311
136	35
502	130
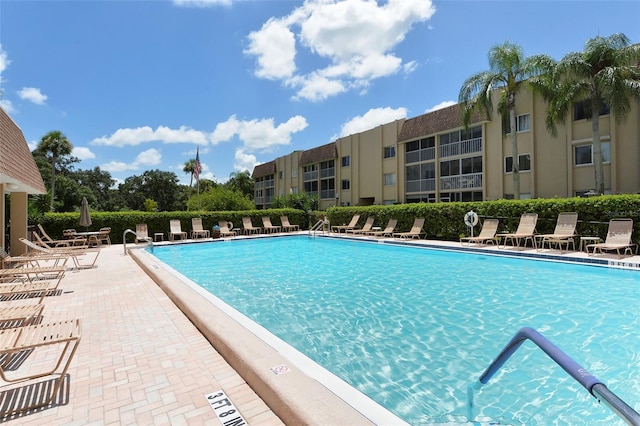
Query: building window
294	173
346	184
582	110
346	161
524	162
389	179
522	123
583	154
389	151
281	175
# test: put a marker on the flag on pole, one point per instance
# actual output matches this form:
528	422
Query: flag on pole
197	168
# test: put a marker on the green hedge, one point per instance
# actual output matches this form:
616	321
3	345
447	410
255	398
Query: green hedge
444	221
55	223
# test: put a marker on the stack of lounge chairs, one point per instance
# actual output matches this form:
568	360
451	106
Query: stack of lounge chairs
31	346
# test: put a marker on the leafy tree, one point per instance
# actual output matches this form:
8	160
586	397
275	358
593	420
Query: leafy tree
508	69
302	201
56	148
157	185
606	73
150	205
241	182
100	184
220	199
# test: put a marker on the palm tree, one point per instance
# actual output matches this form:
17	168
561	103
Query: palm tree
606	73
508	70
189	167
55	145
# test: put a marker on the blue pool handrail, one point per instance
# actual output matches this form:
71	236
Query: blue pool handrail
591	383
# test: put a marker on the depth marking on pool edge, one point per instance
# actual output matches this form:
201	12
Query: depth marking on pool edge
226	412
279	369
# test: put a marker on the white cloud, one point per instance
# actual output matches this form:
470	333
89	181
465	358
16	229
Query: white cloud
354	38
259	135
372	118
441	105
150	157
202	3
82	153
139	135
4	62
32	94
7	106
244	161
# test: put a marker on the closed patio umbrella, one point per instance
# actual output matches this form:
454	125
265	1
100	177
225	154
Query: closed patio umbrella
85	216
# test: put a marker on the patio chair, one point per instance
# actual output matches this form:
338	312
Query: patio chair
268	227
618	238
343	228
71	241
197	230
175	230
286	226
33	274
564	233
415	232
365	228
14	341
35	259
72	251
20	315
225	229
142	233
487	234
386	232
526	230
248	228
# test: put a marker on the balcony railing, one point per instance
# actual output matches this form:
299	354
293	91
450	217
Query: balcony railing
424	185
328	193
460	148
311	176
469	181
325	173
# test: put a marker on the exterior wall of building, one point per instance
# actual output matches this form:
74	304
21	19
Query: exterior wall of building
550	166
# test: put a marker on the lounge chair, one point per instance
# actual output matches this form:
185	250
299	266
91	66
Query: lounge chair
34	260
197	230
175	230
20	315
487	234
73	251
248	228
142	233
526	231
268	227
386	232
618	238
225	229
13	341
344	228
69	241
33	274
415	232
564	233
14	291
286	226
365	228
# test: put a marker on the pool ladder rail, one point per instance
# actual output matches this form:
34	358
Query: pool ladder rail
138	236
595	387
321	225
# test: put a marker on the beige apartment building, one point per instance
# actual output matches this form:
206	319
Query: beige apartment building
433	158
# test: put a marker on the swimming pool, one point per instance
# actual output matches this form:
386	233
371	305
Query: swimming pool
412	328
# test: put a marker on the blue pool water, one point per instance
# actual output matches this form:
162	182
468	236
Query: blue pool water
411	328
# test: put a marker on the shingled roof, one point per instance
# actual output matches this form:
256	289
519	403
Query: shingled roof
321	153
264	169
17	166
435	122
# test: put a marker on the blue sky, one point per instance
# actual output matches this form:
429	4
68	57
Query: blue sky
138	85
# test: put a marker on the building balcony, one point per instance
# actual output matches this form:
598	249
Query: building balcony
423	185
470	181
468	146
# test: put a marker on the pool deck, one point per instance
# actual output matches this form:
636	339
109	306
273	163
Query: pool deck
142	360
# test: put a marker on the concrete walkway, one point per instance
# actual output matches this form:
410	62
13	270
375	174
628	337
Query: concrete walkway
140	360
